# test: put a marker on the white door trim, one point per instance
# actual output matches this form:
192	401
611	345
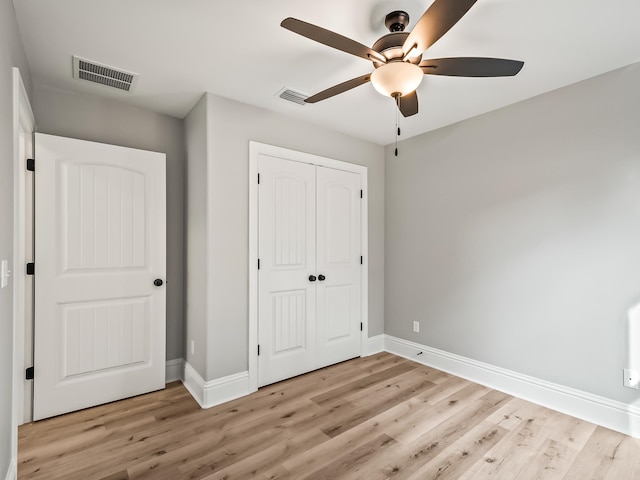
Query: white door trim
23	119
256	149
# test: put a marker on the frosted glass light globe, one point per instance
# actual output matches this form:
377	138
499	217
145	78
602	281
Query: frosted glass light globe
395	78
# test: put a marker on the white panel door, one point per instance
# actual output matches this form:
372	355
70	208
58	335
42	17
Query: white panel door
286	299
99	248
338	265
309	280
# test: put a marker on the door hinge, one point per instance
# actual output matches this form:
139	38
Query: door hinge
28	374
361	326
258	264
31	268
258	350
361	194
258	179
31	164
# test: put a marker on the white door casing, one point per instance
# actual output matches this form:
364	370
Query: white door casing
24	294
332	311
99	245
23	128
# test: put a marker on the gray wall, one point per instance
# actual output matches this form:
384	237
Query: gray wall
98	119
514	237
11	55
197	303
231	125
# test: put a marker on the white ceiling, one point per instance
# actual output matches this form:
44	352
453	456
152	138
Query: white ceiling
237	49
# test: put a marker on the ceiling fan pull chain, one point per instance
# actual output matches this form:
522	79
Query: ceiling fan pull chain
397	122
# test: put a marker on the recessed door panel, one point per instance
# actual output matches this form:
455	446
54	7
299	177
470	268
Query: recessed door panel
289	315
337	231
103	335
338	302
103	212
290	215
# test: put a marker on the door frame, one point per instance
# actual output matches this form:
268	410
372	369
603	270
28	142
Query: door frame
23	120
255	150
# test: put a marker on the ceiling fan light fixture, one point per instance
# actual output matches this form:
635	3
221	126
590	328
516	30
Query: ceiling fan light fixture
397	78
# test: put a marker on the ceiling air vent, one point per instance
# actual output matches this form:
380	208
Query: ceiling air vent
97	73
293	96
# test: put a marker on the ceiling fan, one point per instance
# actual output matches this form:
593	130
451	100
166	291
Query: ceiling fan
397	56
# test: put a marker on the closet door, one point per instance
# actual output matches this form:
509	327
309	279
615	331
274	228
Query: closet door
286	298
338	265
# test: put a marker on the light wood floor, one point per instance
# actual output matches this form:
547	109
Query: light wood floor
370	418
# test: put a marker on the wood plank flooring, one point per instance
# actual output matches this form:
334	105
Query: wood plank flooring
379	417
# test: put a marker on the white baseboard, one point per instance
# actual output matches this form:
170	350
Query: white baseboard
608	413
612	414
12	472
214	392
373	345
174	370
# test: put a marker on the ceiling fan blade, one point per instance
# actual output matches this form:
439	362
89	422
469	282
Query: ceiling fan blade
471	67
340	88
408	105
435	22
331	39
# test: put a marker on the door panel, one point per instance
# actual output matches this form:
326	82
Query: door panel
286	303
289	322
336	218
100	243
337	308
101	335
338	259
103	212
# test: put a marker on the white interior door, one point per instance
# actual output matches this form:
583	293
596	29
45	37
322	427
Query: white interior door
99	247
338	265
286	302
309	281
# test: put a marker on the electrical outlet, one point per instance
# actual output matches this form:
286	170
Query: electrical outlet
416	327
631	378
193	347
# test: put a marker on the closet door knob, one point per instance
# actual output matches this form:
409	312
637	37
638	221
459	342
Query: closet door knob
312	278
321	277
158	282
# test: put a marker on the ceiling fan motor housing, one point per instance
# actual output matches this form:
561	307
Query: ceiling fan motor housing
397	21
390	45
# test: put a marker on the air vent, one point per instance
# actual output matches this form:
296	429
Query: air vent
104	75
293	96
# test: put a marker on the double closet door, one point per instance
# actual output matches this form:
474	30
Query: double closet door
309	279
